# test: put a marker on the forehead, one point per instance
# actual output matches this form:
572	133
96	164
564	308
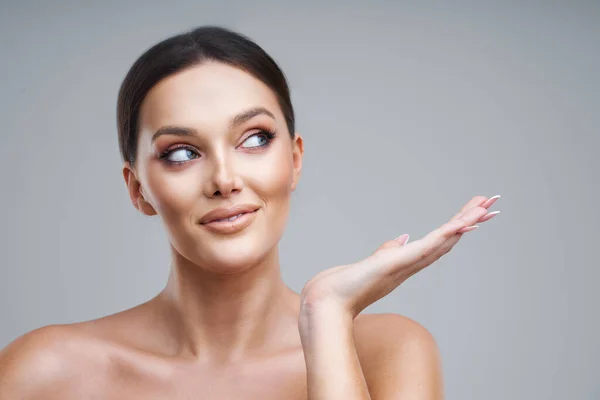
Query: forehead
207	95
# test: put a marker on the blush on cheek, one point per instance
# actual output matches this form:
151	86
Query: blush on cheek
273	180
273	184
175	194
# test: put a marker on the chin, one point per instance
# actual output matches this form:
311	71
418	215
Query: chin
232	255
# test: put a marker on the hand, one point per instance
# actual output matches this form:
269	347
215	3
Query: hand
355	286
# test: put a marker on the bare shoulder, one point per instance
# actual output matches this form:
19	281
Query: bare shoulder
389	329
72	360
44	361
399	357
393	338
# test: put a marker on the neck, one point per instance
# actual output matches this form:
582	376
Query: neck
223	317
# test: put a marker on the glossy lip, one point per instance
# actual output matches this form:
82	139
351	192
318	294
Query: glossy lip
210	220
230	227
221	213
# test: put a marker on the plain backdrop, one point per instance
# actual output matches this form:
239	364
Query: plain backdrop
407	111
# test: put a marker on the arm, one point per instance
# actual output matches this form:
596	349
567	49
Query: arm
332	364
335	297
399	359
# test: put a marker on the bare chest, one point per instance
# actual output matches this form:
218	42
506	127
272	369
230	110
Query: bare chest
284	379
260	387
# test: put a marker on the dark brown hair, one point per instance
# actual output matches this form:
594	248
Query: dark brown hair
172	55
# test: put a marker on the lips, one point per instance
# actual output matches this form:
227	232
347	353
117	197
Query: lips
228	214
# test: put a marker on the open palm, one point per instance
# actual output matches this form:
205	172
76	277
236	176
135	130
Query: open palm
356	286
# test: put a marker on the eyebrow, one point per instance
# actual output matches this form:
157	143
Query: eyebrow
235	121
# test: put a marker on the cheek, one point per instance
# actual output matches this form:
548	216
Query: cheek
272	180
173	193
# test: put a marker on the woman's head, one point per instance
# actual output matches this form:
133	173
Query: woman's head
205	122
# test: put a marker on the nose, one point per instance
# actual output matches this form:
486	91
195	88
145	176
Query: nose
223	180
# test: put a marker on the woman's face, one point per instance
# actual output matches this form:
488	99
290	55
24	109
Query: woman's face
205	143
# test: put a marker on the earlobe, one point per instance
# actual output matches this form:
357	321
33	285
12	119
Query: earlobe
135	191
145	207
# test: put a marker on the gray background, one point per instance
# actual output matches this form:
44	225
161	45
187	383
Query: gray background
407	111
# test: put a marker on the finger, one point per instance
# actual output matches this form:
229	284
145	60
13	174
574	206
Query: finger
489	216
491	201
442	250
403	239
479	201
461	224
476	201
485	218
393	260
440	241
486	204
398	242
467	218
468	229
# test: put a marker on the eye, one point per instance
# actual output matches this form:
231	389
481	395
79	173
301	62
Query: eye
180	155
260	139
255	141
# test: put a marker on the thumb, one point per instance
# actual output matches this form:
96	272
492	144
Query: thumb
398	242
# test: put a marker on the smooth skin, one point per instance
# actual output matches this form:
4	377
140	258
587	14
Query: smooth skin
226	326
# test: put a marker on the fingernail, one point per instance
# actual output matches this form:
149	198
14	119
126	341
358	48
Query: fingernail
403	239
468	228
490	201
489	216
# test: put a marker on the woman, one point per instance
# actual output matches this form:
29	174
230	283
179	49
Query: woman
206	130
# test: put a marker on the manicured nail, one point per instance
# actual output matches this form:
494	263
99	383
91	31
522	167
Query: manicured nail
468	228
489	216
490	201
403	239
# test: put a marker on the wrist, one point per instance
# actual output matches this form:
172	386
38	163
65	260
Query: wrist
317	317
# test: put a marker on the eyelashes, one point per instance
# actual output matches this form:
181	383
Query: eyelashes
176	155
269	135
166	156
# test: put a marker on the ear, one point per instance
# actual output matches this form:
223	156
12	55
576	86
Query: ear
297	154
135	191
